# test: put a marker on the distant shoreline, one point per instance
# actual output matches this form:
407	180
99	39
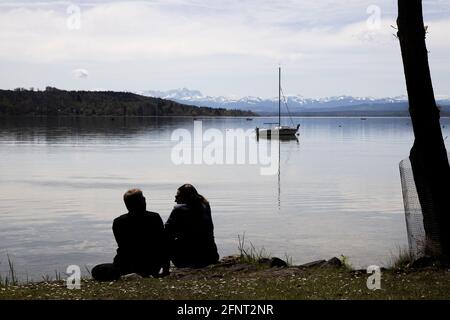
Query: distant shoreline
349	115
211	117
56	102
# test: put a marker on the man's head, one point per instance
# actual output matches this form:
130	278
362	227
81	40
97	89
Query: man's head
135	200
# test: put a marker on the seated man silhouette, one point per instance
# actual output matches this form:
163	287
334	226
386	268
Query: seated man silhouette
141	242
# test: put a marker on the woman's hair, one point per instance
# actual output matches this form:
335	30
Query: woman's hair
189	195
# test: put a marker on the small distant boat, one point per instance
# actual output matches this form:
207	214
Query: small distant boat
363	118
279	130
249	119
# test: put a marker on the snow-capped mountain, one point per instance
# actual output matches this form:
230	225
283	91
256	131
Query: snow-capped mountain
296	103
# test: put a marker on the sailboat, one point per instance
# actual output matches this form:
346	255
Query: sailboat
280	131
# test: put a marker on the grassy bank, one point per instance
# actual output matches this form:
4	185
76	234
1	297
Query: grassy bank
239	280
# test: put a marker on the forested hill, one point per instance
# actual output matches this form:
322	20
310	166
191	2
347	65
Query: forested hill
55	102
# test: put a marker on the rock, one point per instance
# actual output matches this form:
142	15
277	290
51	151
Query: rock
265	261
277	262
359	272
229	261
422	262
273	262
242	267
334	262
317	263
130	277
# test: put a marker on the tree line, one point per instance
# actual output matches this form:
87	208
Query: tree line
56	102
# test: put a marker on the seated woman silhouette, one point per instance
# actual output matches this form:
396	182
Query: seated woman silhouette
141	242
190	230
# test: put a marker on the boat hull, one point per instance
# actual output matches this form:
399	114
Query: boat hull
277	132
284	132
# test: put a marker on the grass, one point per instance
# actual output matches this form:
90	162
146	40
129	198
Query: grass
11	279
288	260
346	263
249	254
255	282
217	283
402	259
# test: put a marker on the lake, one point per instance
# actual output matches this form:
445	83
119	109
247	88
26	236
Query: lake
337	191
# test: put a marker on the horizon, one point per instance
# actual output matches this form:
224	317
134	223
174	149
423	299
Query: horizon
142	93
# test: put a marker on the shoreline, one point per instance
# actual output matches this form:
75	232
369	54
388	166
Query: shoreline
215	116
237	279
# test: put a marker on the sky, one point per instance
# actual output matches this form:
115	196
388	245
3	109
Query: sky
220	47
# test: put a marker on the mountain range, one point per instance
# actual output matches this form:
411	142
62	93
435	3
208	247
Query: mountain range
297	104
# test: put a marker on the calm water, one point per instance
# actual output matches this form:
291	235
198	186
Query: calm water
338	192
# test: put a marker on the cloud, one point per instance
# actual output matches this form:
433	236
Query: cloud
127	31
200	38
80	73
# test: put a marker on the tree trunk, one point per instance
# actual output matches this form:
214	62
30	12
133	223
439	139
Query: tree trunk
428	155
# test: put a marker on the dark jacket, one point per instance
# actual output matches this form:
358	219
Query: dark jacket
190	233
141	243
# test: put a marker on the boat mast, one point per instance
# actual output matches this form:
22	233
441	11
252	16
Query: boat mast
279	96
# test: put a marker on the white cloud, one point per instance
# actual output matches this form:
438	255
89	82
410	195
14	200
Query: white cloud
325	38
121	31
80	73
